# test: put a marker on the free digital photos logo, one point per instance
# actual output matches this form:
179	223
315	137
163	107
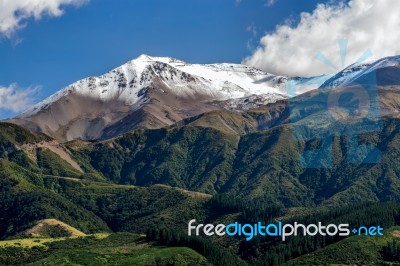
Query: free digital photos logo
279	229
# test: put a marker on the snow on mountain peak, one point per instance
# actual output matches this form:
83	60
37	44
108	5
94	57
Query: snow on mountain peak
354	71
125	83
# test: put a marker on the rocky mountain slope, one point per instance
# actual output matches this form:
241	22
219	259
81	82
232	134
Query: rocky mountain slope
149	92
154	92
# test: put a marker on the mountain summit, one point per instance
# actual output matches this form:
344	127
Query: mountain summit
149	92
154	92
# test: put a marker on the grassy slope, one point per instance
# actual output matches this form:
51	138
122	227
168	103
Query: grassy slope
53	227
41	241
115	249
91	206
52	164
18	135
144	256
351	251
51	188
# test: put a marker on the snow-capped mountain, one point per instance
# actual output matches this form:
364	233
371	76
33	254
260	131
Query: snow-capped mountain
355	71
153	92
126	83
149	92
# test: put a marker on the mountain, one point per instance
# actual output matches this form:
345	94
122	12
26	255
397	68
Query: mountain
32	193
232	163
357	70
256	154
255	166
154	92
149	92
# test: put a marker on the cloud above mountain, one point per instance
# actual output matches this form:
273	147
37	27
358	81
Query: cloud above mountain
15	13
15	99
365	24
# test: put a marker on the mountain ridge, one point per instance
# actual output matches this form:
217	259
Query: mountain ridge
149	92
155	92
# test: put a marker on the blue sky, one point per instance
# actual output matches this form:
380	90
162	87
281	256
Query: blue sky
48	44
53	52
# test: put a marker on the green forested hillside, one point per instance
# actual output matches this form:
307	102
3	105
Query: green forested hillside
144	182
356	251
257	166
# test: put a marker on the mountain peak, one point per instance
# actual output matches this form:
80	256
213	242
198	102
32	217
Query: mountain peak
148	58
153	92
143	57
148	92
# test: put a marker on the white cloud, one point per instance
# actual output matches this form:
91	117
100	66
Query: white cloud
252	29
270	2
15	99
14	13
366	24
